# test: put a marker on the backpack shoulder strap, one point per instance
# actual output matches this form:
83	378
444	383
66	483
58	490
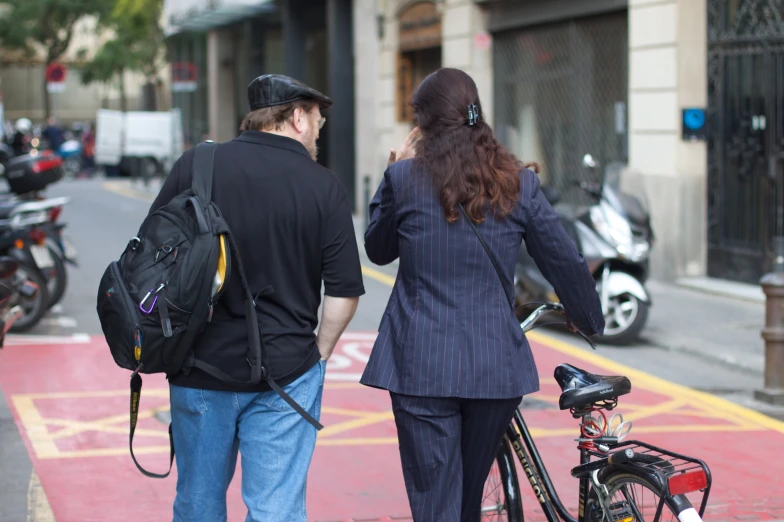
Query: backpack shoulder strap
203	161
257	356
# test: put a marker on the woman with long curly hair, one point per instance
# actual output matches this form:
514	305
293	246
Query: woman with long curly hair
450	350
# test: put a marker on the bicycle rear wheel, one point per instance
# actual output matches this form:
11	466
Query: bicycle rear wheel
501	499
634	497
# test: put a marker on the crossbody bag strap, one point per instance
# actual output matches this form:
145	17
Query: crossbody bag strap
496	266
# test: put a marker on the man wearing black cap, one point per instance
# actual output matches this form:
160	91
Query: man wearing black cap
291	219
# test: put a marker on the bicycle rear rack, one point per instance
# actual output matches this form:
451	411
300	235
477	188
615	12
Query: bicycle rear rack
669	465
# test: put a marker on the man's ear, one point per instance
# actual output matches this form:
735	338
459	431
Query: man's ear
299	120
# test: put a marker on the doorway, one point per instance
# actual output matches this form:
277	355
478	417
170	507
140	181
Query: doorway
746	148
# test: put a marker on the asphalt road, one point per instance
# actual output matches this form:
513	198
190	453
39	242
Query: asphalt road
100	223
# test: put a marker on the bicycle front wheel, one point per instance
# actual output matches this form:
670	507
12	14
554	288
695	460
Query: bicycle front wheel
501	499
632	496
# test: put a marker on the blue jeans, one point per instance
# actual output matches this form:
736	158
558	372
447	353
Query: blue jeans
275	442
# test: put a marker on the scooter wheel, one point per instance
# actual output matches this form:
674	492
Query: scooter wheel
35	307
625	320
57	280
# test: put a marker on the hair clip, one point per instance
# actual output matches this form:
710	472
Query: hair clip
473	115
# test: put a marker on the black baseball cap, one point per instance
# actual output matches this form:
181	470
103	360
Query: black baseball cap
276	89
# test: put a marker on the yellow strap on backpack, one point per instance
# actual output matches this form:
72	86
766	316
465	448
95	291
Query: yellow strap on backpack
220	274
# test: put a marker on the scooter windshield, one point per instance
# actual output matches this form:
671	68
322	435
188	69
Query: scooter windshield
624	190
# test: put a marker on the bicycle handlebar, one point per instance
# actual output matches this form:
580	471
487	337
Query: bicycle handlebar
530	322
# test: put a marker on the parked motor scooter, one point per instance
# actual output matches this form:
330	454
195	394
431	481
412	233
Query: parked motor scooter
10	290
36	239
614	234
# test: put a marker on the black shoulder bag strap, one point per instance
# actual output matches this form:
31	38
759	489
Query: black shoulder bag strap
203	164
509	295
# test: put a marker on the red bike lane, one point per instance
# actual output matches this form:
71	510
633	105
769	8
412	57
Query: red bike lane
70	403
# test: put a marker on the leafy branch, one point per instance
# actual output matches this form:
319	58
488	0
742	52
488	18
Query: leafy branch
136	45
44	27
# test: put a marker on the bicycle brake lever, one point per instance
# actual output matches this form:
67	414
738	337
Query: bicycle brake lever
578	332
587	339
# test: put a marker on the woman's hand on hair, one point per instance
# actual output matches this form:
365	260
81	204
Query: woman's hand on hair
407	150
533	166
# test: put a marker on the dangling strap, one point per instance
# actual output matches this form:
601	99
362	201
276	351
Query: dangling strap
221	375
136	394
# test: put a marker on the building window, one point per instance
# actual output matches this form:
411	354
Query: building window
561	92
419	52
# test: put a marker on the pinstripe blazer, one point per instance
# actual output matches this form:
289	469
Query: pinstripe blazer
448	329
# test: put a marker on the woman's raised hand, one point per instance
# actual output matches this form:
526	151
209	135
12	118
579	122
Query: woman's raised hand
407	150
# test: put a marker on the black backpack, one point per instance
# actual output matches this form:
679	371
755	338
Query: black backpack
155	301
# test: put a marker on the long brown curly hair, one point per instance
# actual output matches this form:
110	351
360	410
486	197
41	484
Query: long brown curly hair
466	162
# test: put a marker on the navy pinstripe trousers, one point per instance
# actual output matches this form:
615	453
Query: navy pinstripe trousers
447	447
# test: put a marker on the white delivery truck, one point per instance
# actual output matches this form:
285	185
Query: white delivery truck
143	143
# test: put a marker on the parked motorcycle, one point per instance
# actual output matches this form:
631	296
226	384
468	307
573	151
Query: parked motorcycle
615	236
37	240
9	310
28	175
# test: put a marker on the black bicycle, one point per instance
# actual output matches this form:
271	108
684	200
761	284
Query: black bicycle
616	478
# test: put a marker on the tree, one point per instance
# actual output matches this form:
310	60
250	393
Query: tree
140	21
136	44
108	64
33	26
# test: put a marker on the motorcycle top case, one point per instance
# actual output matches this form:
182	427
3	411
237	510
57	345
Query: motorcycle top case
33	173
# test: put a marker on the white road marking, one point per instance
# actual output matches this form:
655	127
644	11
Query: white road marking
24	340
56	309
350	377
350	355
64	322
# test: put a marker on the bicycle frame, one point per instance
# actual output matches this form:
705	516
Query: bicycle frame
527	453
525	448
544	490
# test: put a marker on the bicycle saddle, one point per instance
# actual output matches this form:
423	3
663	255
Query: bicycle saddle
581	388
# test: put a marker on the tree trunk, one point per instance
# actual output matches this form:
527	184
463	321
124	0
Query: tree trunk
47	99
123	100
148	97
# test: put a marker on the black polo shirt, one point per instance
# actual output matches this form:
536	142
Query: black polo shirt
291	219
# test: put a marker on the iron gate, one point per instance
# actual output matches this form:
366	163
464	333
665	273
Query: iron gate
746	145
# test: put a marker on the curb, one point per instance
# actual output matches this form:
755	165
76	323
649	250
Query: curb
723	359
38	508
739	291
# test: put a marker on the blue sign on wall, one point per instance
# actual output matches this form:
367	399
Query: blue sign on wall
694	124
